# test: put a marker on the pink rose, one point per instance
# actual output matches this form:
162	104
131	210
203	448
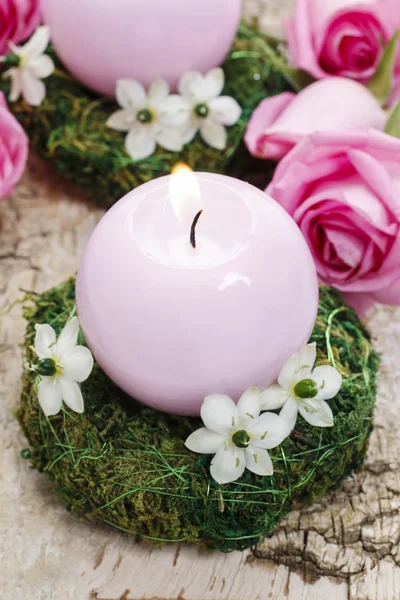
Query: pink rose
343	191
13	149
18	20
332	104
341	37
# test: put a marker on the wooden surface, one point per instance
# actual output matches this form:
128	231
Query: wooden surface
345	548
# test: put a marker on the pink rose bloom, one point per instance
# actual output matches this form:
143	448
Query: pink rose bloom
332	104
18	20
341	37
13	149
343	191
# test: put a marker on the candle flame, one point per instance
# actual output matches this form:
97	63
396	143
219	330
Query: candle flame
184	193
181	167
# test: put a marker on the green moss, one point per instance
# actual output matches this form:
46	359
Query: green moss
126	465
69	127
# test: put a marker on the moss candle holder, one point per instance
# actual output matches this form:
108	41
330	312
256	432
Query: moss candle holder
126	465
69	127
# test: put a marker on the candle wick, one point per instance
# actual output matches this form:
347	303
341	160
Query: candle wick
193	229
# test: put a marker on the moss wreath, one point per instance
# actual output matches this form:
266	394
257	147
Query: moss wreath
69	127
126	465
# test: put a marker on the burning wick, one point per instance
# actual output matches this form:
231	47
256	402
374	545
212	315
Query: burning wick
193	229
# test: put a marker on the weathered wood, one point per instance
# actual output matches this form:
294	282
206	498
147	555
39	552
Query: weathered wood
344	548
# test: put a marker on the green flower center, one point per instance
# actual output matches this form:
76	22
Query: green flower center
12	60
241	438
46	367
145	116
201	110
306	388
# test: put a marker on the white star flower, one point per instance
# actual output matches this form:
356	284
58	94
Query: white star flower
302	389
150	119
237	435
29	65
62	364
209	111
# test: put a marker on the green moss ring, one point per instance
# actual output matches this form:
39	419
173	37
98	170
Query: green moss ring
126	465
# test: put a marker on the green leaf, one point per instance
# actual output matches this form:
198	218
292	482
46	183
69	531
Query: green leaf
296	78
381	83
393	123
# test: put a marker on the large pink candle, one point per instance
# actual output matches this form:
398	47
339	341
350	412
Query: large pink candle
171	323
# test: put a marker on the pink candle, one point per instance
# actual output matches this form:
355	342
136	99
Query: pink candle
171	323
101	41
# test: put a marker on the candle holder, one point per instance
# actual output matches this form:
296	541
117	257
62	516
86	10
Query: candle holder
69	127
127	465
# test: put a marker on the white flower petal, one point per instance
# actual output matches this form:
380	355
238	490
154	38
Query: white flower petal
228	464
45	339
189	131
33	89
37	44
130	94
68	337
316	412
249	406
211	86
205	441
269	431
224	110
16	84
49	395
186	82
141	141
328	380
159	90
170	139
41	67
258	461
71	394
174	111
219	413
121	120
289	413
214	134
77	364
298	366
274	397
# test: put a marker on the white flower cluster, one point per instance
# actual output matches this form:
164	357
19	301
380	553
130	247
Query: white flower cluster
28	66
172	120
61	366
240	436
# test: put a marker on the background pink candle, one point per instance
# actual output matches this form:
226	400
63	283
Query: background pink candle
101	41
170	323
